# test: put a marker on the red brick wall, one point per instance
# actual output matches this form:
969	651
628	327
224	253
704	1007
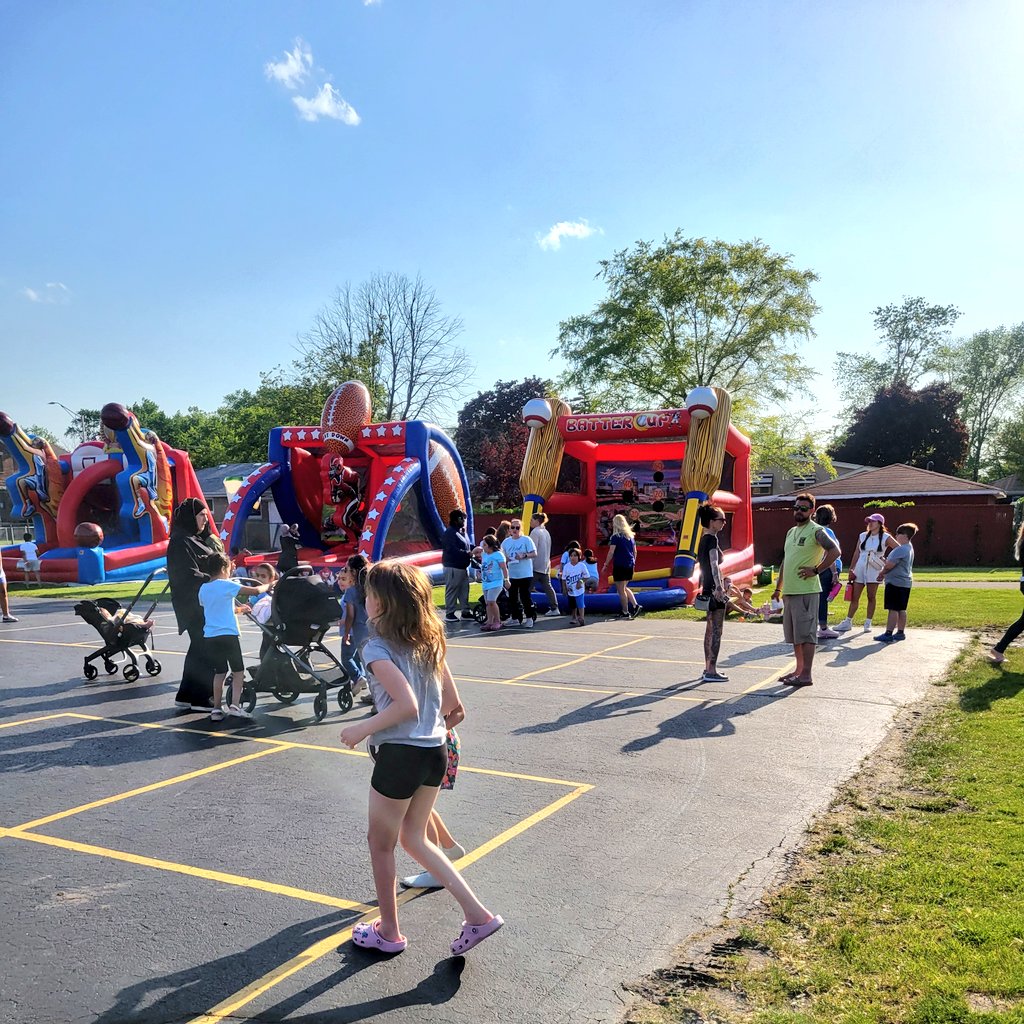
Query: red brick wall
950	534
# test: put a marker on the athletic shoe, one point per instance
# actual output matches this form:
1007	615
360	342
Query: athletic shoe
206	705
10	618
424	880
235	711
714	677
507	622
638	609
827	634
451	618
623	615
867	626
216	715
358	686
366	699
885	638
553	611
183	705
899	635
845	625
528	623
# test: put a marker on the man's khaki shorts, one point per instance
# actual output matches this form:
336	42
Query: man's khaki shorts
800	618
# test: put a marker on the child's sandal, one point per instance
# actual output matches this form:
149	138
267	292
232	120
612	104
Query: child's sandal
473	934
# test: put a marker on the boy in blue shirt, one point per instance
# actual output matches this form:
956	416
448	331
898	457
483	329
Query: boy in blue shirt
221	633
898	575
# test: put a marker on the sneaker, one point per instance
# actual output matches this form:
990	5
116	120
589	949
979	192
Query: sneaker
206	705
899	635
845	625
216	715
451	617
507	622
623	615
10	618
867	626
424	880
183	705
235	711
714	677
528	623
638	609
553	612
827	634
885	638
366	699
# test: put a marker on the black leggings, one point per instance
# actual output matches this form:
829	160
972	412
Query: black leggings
1013	631
825	579
520	599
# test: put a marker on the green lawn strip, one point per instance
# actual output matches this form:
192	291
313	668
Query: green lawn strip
910	906
942	574
122	592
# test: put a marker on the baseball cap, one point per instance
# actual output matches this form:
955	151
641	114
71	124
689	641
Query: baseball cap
875	517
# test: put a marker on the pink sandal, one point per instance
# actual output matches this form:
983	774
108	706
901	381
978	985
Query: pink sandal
367	935
473	934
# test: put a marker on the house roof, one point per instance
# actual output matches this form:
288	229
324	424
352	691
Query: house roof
1011	484
897	480
212	480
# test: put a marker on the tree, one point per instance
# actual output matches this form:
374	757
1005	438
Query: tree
501	461
988	369
46	434
921	428
1008	446
689	312
85	426
493	413
912	336
785	441
390	333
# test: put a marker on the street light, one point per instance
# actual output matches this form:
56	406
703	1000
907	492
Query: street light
76	418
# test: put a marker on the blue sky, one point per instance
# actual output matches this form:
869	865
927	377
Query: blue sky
173	213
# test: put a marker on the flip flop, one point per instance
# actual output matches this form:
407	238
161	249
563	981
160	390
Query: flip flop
797	681
788	678
367	935
473	934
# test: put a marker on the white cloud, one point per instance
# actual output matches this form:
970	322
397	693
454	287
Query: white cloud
326	103
566	229
54	294
294	69
371	3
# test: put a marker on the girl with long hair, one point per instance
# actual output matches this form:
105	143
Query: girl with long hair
709	554
622	558
867	562
413	693
998	653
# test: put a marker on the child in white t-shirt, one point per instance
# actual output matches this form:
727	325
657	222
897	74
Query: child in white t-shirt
221	633
29	561
574	576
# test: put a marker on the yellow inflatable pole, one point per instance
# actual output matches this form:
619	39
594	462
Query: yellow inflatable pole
710	411
543	458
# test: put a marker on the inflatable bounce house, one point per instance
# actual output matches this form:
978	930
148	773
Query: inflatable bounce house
655	468
351	485
102	513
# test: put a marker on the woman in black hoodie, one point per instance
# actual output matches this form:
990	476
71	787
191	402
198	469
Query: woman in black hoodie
188	552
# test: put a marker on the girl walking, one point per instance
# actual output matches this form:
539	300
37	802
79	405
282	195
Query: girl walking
709	554
622	558
868	560
494	577
413	691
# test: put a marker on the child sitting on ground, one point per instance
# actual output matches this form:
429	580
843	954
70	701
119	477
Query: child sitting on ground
223	646
738	600
574	576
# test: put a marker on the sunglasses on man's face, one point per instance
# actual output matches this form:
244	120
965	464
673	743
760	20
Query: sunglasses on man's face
801	508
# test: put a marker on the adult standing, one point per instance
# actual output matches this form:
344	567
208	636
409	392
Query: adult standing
189	551
809	552
542	561
825	516
456	554
998	653
709	554
866	564
622	557
519	552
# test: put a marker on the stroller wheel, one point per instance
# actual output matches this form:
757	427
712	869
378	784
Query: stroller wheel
131	673
90	672
480	614
320	707
248	698
285	696
153	667
345	699
110	668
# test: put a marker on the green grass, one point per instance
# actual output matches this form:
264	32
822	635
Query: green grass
937	573
911	908
71	592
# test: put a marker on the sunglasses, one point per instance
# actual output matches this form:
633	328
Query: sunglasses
801	508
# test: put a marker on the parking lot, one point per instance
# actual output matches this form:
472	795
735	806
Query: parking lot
159	867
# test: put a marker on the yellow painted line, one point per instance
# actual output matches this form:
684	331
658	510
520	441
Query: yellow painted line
233	1004
29	721
39	822
771	679
188	869
47	643
579	660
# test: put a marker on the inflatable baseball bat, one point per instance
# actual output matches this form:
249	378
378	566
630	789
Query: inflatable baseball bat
702	473
541	463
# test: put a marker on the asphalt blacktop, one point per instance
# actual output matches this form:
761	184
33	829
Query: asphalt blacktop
161	868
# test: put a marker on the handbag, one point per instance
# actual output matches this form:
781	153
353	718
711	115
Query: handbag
702	603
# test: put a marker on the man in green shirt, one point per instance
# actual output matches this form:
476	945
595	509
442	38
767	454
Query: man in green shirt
809	551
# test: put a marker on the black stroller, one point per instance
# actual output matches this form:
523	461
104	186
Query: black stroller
120	635
303	609
504	606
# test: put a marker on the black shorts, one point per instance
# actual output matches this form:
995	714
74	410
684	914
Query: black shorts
622	572
224	652
400	769
896	598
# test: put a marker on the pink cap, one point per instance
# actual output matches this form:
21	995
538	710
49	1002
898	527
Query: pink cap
875	517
